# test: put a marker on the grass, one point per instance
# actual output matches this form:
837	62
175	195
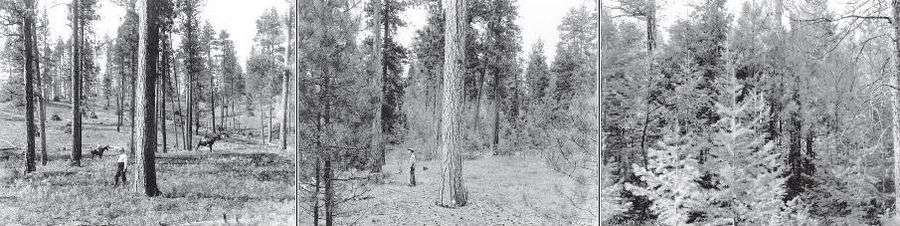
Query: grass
252	182
502	190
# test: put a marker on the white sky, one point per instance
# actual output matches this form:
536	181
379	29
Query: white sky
538	20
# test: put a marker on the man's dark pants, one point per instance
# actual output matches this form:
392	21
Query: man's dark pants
120	172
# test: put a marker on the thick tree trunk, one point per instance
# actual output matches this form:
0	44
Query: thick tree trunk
76	87
453	192
149	52
28	34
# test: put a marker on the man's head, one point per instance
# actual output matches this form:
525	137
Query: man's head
411	150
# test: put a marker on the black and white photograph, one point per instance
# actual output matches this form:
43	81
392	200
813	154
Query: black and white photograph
750	112
433	112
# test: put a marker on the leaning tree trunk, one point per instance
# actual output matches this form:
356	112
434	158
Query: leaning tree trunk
452	192
148	51
28	34
76	87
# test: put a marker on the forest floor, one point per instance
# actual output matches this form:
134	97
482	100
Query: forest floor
241	180
501	190
253	182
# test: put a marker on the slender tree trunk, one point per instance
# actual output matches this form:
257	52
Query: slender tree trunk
495	135
76	87
316	197
148	51
134	72
119	101
284	90
27	34
453	192
269	127
284	110
479	94
163	83
296	66
178	102
42	95
895	5
188	132
297	85
212	91
329	192
378	124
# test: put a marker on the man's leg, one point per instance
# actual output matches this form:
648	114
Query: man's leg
412	175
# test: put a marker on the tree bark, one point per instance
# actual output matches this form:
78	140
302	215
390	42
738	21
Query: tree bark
495	134
28	33
378	124
42	95
453	192
284	89
163	83
296	67
76	87
479	93
212	90
895	5
148	51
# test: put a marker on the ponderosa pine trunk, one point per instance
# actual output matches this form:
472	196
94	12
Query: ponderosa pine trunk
76	85
453	192
148	51
28	34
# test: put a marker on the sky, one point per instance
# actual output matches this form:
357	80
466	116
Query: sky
538	20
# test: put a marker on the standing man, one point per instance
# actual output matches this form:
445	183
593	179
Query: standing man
412	167
121	168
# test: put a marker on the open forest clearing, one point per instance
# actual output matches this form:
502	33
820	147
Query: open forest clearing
249	181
